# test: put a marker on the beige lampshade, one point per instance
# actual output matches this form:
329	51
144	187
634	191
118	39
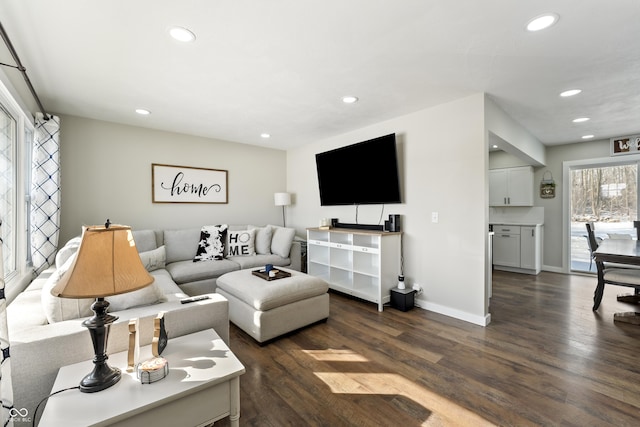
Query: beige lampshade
107	263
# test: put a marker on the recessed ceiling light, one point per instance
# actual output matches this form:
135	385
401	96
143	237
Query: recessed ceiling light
143	112
494	146
581	119
265	135
182	34
587	137
543	21
570	92
349	99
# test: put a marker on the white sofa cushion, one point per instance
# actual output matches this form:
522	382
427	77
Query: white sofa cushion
282	240
155	259
181	245
70	248
263	239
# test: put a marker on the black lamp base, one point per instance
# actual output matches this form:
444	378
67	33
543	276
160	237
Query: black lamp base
103	376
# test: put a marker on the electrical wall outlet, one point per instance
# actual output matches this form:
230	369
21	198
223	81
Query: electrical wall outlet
416	287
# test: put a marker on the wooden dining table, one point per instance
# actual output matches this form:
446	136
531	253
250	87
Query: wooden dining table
620	252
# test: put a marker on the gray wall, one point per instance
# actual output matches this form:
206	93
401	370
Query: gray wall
106	173
553	232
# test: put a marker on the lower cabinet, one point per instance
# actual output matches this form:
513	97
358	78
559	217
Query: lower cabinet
506	247
517	248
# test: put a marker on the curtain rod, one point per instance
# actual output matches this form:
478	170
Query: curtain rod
21	68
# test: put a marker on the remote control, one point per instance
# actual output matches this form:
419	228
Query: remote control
193	299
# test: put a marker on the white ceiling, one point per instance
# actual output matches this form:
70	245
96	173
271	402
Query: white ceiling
282	66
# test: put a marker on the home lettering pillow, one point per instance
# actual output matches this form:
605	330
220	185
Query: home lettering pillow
241	243
211	244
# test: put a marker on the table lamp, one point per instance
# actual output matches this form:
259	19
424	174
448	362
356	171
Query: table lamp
107	263
282	199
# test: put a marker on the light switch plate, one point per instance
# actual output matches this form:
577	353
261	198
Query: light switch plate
434	216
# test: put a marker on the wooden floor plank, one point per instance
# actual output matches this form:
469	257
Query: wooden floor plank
545	359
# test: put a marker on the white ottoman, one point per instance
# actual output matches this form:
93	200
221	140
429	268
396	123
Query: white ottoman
267	309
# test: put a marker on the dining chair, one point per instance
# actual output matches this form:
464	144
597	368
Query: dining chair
612	274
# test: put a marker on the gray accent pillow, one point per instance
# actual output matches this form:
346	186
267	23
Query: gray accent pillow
282	240
263	239
155	259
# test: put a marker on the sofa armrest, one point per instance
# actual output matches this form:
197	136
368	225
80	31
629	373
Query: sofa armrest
295	255
38	353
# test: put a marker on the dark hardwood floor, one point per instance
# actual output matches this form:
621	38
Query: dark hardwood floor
545	359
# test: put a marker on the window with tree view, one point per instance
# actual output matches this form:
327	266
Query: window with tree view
606	196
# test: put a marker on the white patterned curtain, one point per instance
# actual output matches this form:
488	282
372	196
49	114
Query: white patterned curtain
45	202
6	391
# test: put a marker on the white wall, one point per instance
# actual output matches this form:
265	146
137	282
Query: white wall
106	173
519	141
443	162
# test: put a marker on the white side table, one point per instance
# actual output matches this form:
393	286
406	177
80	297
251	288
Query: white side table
203	386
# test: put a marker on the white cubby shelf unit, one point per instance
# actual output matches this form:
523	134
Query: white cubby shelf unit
362	263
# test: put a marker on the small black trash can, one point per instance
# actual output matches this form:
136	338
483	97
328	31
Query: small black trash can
402	299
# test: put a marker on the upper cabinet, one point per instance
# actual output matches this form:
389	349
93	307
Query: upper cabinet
511	186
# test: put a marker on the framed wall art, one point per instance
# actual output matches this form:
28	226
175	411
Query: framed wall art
625	145
186	184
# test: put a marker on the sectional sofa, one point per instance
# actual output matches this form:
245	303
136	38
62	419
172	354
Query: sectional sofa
46	331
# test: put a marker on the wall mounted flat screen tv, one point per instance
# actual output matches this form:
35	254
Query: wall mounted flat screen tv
365	173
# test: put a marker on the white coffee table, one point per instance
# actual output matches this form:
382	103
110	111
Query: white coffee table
203	386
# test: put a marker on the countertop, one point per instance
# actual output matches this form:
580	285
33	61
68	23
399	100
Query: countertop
528	224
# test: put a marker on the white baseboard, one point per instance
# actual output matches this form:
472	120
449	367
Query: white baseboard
553	269
451	312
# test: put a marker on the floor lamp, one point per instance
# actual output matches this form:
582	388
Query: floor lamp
282	199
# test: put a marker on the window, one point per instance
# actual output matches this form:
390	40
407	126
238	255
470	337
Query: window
607	195
8	206
16	139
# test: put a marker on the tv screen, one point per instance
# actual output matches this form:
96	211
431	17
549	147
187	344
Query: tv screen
365	173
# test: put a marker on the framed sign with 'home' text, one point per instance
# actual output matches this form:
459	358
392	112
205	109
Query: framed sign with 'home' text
185	184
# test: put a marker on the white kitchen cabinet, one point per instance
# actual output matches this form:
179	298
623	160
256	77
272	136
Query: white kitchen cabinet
362	263
517	248
506	246
511	186
530	248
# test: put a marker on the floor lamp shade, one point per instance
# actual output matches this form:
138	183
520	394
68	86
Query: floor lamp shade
107	263
282	199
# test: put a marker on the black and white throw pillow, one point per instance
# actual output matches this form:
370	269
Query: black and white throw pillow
211	244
